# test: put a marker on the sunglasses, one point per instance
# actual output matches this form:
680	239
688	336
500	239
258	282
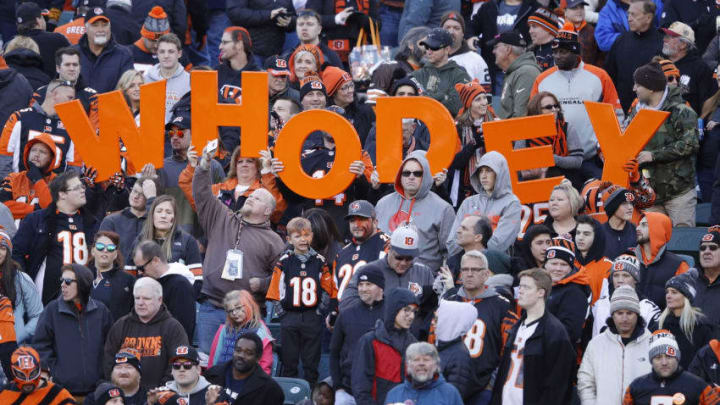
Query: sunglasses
101	247
67	281
404	258
416	173
551	107
185	365
712	247
141	267
180	133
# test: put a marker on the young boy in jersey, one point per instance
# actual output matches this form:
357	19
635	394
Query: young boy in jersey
538	360
304	287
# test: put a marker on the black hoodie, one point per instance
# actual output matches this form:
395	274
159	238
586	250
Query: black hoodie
30	64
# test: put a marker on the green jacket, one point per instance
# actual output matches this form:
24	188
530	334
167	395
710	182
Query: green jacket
674	145
439	83
519	79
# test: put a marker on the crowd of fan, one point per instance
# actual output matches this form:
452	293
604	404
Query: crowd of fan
198	281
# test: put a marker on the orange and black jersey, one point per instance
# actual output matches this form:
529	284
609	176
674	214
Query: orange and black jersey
86	95
680	388
28	123
49	394
355	255
486	339
298	285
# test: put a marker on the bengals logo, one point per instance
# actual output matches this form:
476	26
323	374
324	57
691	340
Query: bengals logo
707	237
181	350
339	44
98	10
629	197
114	393
415	288
618	266
714	228
355	206
316	85
281	63
26	362
551	254
409	240
670	351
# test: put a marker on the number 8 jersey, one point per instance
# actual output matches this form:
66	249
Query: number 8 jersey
298	285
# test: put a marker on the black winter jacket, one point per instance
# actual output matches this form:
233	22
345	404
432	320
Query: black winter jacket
49	43
125	29
15	93
708	297
121	291
102	72
653	277
548	364
350	326
457	366
30	64
651	385
703	332
697	81
125	224
706	363
71	343
259	388
254	15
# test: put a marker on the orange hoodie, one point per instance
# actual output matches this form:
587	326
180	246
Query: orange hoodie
26	196
660	230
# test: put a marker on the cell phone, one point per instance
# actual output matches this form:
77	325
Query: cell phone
211	147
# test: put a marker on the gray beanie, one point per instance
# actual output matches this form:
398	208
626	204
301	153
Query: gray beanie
663	342
625	297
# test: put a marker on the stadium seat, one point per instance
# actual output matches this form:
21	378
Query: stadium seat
295	389
702	214
688	259
685	241
275	331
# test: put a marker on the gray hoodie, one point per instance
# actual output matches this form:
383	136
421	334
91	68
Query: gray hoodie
431	215
501	207
175	87
201	385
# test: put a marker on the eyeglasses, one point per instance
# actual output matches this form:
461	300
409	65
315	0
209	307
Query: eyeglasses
101	247
186	365
551	107
234	310
67	281
472	269
141	267
76	188
671	79
416	173
712	247
180	133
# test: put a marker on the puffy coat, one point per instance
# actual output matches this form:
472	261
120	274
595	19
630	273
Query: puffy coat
454	321
706	363
435	392
30	64
15	93
254	15
28	308
609	365
71	343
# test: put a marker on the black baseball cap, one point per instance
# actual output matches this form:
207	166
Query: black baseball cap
180	120
277	66
28	11
511	38
186	352
96	13
437	38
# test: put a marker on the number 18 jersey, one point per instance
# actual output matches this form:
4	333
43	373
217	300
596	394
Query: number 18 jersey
299	286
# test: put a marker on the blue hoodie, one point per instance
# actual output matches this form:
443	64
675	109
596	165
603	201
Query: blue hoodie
435	392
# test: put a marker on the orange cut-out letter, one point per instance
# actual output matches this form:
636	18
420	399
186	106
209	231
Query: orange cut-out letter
101	152
288	149
618	147
388	152
499	136
251	115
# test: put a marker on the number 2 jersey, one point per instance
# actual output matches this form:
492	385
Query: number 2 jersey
300	286
487	337
355	255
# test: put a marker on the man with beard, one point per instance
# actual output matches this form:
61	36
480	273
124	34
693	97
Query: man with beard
424	383
573	81
102	60
668	381
260	246
367	244
241	380
126	374
236	57
460	52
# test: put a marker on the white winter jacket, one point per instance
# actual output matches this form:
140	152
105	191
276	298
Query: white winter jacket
608	367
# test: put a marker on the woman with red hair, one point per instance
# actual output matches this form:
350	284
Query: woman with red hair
243	315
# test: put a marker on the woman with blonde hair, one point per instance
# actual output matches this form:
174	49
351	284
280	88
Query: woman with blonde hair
564	204
243	315
129	84
23	54
691	327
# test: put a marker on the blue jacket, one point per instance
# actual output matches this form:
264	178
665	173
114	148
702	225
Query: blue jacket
436	392
28	307
418	13
612	21
71	344
102	72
